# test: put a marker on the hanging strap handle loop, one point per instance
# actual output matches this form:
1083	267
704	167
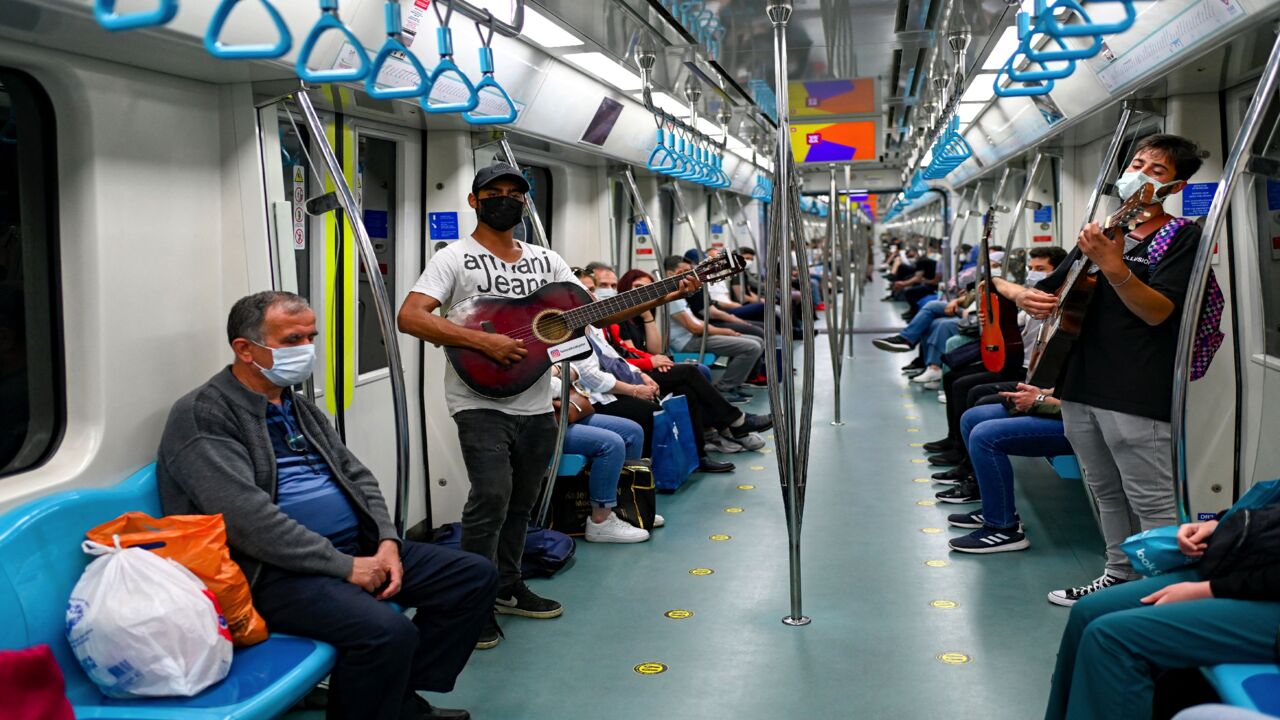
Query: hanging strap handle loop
487	81
219	49
329	21
444	46
104	11
394	44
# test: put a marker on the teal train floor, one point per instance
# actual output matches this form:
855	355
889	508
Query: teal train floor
888	602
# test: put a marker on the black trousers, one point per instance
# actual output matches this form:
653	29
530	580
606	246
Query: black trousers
959	383
383	655
707	407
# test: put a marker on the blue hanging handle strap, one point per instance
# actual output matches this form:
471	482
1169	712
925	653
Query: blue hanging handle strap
1029	91
216	48
444	44
487	81
394	44
329	21
661	160
104	11
1026	33
1051	25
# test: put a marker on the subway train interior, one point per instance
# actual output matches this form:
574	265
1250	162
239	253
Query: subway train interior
997	280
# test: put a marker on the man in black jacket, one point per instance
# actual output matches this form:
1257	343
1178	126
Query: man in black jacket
309	526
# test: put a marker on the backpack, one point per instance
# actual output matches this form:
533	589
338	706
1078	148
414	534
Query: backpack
1209	335
545	551
1247	539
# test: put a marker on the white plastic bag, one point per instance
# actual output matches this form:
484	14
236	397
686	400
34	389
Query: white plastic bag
144	626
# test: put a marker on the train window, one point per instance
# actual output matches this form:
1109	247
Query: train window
31	374
1267	202
540	195
377	193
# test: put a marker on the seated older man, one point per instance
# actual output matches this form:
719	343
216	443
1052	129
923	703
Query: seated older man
310	528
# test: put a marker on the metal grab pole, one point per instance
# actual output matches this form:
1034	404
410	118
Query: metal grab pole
829	291
682	214
1019	211
1237	162
800	455
637	205
782	387
566	377
539	233
381	304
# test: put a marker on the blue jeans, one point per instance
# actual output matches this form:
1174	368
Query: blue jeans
609	441
919	326
1113	646
936	346
992	436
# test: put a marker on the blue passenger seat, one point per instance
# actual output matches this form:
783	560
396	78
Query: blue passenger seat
708	359
40	563
571	465
1067	467
1254	687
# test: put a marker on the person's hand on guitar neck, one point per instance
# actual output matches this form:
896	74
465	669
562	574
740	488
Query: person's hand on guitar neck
1106	253
1035	303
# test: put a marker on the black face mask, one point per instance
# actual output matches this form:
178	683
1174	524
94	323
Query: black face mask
501	212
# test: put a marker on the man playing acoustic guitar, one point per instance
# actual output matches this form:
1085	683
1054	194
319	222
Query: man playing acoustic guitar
1117	386
506	443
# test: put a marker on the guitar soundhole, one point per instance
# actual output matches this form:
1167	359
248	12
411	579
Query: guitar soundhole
549	327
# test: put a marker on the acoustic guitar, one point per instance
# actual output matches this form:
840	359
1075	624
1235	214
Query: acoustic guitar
553	314
999	339
1065	323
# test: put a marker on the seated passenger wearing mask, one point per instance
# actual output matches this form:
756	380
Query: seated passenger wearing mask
310	528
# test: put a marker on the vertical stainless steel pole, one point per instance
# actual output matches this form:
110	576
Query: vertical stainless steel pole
782	385
637	203
553	472
1213	224
539	234
682	214
381	305
1019	211
830	292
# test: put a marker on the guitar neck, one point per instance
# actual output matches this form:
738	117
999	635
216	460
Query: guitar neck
593	313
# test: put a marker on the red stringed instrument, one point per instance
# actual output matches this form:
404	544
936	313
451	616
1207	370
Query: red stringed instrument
553	314
1065	323
999	338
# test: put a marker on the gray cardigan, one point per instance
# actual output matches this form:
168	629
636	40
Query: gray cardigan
216	457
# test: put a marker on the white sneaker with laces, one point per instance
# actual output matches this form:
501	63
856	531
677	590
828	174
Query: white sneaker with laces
723	444
750	441
1069	597
658	520
614	530
932	374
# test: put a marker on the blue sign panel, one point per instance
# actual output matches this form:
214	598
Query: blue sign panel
641	228
716	228
443	225
375	221
1197	197
1273	195
1044	214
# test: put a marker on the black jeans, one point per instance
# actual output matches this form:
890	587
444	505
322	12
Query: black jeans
958	384
506	456
707	407
383	655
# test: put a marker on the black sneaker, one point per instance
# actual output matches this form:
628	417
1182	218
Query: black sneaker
417	708
938	446
751	423
917	364
737	397
965	492
950	457
1068	597
990	540
954	476
520	600
707	465
893	343
974	520
490	636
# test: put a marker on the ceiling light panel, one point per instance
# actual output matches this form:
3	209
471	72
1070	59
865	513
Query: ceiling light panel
537	27
1005	46
605	68
979	91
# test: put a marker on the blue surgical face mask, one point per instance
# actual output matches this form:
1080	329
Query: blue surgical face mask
1035	276
602	293
1130	182
289	365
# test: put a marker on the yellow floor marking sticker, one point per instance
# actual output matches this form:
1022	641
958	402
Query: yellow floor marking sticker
950	658
700	572
678	614
913	429
733	509
655	668
915	444
921	480
766	451
908	405
919	461
746	487
722	538
944	604
936	563
757	467
912	417
931	531
926	503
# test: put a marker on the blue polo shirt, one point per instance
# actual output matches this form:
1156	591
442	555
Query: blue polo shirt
305	488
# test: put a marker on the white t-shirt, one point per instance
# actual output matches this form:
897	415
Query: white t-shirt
719	291
464	269
680	337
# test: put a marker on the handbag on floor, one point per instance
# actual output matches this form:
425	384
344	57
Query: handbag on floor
636	500
675	449
545	551
571	504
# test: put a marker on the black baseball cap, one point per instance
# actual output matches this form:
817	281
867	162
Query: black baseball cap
498	171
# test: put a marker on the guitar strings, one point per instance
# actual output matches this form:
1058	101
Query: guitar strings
616	304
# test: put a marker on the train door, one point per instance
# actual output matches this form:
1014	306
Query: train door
314	254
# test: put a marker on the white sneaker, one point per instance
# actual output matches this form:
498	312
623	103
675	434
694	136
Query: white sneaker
723	444
942	397
932	385
932	374
614	530
750	441
658	520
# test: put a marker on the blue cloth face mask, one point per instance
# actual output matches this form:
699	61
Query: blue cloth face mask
289	365
1130	182
602	293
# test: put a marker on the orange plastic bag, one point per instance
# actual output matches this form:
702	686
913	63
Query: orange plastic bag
198	543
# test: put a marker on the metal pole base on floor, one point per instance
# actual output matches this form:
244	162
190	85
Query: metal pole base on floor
796	621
